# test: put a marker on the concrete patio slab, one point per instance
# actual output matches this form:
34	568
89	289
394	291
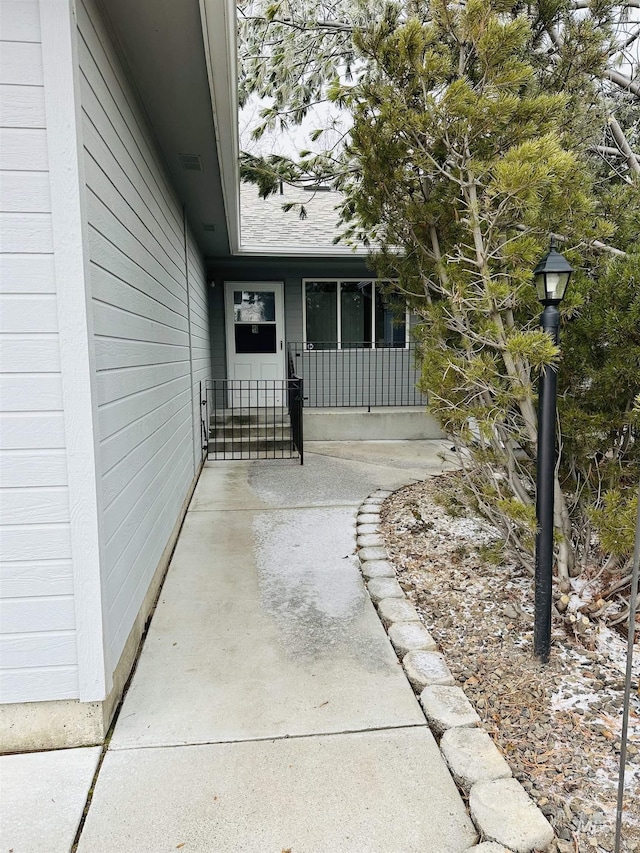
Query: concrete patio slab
42	798
264	630
345	472
334	473
268	711
418	458
373	792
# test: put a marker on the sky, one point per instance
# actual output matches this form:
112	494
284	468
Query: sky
288	143
296	138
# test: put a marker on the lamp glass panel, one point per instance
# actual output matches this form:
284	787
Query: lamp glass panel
540	287
556	284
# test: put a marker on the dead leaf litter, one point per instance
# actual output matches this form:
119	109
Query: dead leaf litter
559	725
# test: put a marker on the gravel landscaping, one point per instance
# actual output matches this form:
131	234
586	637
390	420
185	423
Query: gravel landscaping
558	725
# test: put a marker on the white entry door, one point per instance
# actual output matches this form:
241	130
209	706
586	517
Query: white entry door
255	341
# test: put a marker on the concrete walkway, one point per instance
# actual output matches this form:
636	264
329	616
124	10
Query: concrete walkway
268	712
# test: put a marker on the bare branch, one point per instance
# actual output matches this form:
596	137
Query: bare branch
586	4
610	150
621	80
621	139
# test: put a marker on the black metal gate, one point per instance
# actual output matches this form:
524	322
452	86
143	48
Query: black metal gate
252	419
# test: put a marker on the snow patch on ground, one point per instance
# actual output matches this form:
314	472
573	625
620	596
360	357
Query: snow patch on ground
611	644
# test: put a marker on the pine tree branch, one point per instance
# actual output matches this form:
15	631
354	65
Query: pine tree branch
621	139
610	150
622	81
336	26
618	48
596	244
586	4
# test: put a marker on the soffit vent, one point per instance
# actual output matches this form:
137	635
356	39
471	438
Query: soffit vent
191	162
208	226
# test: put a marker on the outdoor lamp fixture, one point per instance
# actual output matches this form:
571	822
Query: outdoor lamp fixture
551	279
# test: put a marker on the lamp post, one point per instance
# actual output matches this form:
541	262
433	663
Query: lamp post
551	279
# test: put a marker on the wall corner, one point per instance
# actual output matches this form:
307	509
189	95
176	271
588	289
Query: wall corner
70	239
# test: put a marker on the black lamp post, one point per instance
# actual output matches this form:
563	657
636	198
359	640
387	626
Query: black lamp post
551	279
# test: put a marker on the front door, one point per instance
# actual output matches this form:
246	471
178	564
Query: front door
255	342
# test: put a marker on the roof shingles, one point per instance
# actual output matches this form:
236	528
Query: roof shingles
265	225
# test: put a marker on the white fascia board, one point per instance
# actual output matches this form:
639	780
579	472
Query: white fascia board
307	252
219	28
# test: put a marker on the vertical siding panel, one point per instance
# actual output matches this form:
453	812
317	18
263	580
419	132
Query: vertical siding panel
216	320
293	309
77	358
35	570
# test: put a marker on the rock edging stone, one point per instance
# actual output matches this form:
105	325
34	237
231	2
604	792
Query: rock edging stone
504	814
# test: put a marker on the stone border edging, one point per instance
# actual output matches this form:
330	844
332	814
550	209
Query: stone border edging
502	811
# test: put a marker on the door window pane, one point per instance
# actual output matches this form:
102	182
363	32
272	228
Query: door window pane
355	308
322	313
255	338
254	306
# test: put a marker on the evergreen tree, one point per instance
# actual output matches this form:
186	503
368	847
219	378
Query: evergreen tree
477	130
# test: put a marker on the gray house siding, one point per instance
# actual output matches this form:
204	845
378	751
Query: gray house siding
150	317
293	309
216	320
198	311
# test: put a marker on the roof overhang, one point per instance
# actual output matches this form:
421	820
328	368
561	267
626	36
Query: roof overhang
181	58
219	27
293	252
161	46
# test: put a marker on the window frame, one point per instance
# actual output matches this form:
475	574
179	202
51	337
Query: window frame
339	281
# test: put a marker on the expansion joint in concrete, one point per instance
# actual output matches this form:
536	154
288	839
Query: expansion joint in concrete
274	739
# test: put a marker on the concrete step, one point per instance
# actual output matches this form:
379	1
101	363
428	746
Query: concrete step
383	423
245	417
260	431
271	453
252	433
238	445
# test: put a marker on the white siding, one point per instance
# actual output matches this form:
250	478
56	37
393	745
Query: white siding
148	409
38	652
200	336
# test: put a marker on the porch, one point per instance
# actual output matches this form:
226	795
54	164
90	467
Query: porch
362	392
341	337
332	393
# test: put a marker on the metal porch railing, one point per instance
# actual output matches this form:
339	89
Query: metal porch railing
357	375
